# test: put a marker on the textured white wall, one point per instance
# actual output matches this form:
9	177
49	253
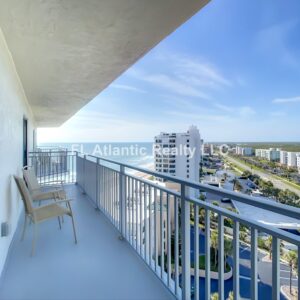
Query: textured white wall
13	107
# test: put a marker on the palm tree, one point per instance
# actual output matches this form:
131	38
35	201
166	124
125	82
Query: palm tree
227	249
230	296
225	176
214	245
268	244
291	258
214	296
234	181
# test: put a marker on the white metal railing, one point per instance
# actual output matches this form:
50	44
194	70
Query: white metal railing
166	227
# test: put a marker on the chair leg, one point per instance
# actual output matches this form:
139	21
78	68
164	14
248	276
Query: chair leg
24	228
74	229
34	239
59	222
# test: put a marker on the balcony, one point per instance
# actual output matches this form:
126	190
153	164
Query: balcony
161	246
100	266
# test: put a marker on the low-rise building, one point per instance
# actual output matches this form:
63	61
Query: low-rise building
208	149
244	151
271	154
283	157
298	161
292	159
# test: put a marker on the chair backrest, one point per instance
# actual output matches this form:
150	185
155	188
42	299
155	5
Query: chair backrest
31	179
25	195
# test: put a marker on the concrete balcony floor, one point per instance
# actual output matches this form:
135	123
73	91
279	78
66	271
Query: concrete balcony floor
100	266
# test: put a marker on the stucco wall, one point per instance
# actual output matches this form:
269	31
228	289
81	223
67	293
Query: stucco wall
13	108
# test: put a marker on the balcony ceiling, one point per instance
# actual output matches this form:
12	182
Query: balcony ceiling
67	51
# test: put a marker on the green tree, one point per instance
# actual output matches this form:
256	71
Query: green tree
214	245
292	260
228	248
230	296
214	296
268	243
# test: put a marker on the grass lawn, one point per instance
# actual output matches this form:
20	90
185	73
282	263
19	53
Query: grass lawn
213	268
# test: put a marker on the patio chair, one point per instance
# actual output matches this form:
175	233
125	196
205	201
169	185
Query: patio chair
37	191
42	213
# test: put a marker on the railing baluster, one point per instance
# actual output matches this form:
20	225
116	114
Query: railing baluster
207	254
155	228
161	236
169	230
176	246
185	244
254	293
127	208
141	218
97	183
136	215
236	260
150	225
275	268
221	256
145	224
131	213
196	252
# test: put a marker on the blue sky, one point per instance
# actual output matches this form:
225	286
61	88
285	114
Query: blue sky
233	70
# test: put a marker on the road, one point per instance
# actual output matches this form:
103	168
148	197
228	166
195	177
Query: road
276	182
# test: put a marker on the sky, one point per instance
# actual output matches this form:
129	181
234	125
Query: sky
233	70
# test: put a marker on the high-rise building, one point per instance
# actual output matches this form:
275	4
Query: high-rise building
178	154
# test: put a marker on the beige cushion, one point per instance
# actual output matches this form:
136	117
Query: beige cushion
40	195
49	211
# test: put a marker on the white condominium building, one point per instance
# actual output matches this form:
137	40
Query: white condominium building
271	154
178	154
298	161
292	159
283	157
244	151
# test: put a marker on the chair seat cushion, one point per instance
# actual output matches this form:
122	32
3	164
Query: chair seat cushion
50	194
50	211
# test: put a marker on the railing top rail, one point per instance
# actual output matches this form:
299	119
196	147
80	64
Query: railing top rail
50	151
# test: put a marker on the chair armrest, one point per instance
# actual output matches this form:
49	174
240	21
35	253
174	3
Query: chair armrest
63	201
56	186
56	202
54	181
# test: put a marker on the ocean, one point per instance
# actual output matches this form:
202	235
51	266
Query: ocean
136	154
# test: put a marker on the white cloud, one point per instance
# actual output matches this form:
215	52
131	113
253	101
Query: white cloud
200	73
127	88
287	100
177	86
199	116
241	111
183	75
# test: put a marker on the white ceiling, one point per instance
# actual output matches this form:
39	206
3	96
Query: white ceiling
67	51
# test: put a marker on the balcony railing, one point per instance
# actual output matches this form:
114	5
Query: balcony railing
168	227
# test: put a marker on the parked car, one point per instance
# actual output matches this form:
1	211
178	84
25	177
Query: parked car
225	200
